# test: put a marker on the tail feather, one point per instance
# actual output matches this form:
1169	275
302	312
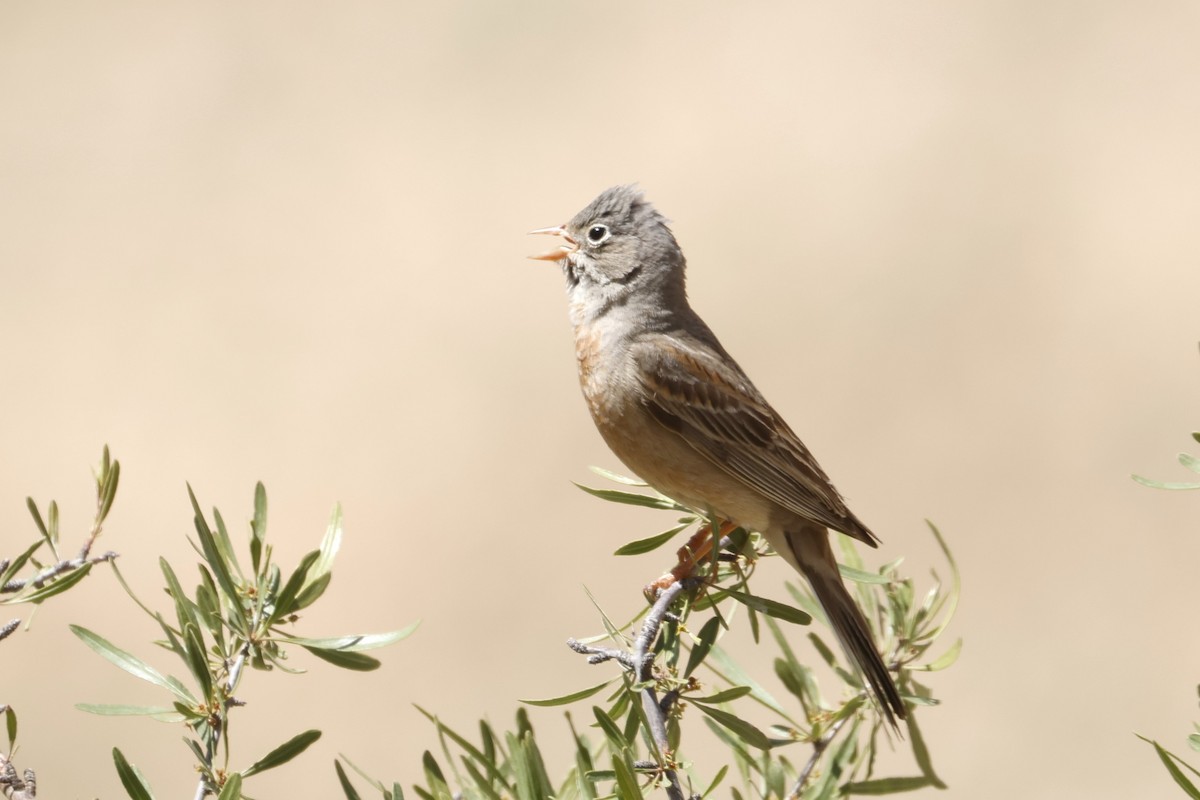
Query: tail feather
811	550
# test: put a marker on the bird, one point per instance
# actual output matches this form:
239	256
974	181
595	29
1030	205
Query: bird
676	408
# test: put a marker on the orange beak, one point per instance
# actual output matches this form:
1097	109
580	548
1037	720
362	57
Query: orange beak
560	252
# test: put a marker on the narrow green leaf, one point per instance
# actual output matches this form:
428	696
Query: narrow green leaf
312	591
354	642
486	757
52	521
567	699
795	676
109	491
1190	461
189	713
609	626
721	663
829	657
887	785
10	726
286	601
632	498
635	717
482	784
627	785
197	749
745	761
583	764
944	660
1169	485
59	585
531	755
803	598
18	563
212	556
955	584
37	519
723	697
232	790
131	778
129	591
284	752
740	728
862	576
524	783
921	753
771	608
612	731
207	609
126	661
331	542
225	544
716	781
617	477
487	741
258	526
648	544
705	639
377	785
345	659
197	659
161	713
344	779
1168	760
185	611
434	778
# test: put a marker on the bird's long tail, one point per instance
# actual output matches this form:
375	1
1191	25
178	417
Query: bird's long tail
810	546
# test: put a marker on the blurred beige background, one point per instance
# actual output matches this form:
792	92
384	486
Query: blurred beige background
956	244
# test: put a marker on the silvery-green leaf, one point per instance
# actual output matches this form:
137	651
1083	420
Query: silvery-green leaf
344	780
567	699
632	498
284	752
740	727
649	543
126	661
131	778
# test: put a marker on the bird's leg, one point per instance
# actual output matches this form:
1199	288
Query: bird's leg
693	553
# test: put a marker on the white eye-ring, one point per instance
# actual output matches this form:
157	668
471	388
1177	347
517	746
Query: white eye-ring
598	233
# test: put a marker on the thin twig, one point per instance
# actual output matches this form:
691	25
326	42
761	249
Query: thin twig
54	570
819	748
640	661
235	675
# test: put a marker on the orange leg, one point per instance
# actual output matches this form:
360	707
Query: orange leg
691	555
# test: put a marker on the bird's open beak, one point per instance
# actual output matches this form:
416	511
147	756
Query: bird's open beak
560	252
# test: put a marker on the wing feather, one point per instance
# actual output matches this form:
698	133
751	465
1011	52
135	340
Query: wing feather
705	397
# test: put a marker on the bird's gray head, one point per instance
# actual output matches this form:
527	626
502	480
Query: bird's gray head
617	250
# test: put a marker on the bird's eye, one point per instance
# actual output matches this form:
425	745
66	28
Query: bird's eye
597	233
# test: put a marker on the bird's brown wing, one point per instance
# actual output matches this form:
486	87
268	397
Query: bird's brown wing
705	398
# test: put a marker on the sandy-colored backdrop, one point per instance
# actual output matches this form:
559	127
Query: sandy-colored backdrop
956	243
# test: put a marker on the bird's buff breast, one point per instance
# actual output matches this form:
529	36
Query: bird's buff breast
659	456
